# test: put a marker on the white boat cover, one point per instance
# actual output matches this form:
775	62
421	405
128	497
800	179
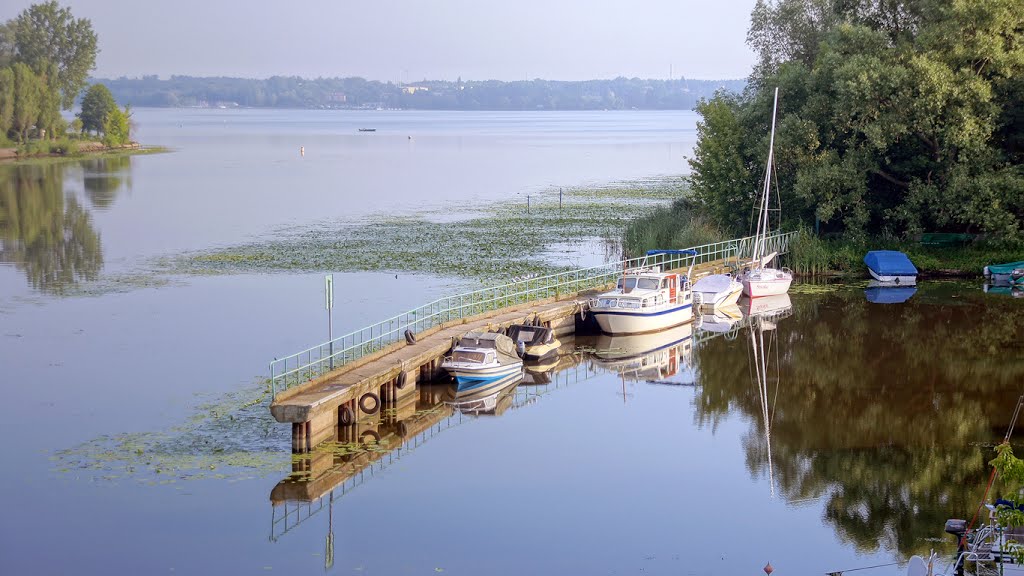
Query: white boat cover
714	283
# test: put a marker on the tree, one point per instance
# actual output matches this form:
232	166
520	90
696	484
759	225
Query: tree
6	100
48	33
96	105
897	116
27	96
116	127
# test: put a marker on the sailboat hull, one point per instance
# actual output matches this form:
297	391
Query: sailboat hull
767	283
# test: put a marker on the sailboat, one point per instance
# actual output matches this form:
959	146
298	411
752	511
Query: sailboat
758	278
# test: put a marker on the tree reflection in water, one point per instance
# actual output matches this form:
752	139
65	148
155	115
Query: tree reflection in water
45	232
886	412
104	177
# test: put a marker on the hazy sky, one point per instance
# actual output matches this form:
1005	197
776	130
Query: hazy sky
409	40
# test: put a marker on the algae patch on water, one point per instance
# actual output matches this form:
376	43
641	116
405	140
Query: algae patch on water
231	438
502	241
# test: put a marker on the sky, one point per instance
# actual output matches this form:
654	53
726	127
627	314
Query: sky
410	40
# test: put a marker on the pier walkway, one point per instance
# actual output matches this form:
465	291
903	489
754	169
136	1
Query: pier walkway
356	375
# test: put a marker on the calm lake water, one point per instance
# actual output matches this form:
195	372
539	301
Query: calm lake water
132	449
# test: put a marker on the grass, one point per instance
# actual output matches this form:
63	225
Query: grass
673	226
810	255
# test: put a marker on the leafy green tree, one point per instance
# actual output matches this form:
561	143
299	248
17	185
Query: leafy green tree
46	33
116	127
897	116
6	100
28	94
97	104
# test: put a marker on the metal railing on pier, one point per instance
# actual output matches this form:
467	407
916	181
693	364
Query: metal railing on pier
312	362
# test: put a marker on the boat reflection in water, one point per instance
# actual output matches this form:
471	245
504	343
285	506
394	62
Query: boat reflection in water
888	292
762	316
721	319
539	373
493	399
654	357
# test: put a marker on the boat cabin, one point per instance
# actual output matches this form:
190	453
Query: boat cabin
640	289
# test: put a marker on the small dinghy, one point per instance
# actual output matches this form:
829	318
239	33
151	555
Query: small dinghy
891	266
715	290
538	343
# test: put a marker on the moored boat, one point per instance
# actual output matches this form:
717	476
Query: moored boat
716	290
1008	274
891	266
480	361
758	278
538	343
645	300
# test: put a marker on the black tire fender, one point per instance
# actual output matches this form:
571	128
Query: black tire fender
346	416
402	380
410	338
372	398
371	433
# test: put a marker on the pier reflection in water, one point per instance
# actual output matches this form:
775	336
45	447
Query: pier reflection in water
881	415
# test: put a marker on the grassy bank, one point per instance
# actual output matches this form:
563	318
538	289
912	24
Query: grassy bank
683	225
69	148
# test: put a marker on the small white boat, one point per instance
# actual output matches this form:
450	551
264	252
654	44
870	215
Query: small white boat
538	343
716	290
482	361
645	300
758	278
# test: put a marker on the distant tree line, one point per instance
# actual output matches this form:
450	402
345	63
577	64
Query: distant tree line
295	92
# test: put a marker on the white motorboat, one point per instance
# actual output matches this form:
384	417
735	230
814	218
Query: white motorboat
759	279
645	300
716	290
482	361
651	357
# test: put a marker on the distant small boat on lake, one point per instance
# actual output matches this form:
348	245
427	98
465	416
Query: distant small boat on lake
891	266
367	129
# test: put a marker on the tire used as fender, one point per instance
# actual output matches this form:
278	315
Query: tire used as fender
372	398
410	338
345	415
402	380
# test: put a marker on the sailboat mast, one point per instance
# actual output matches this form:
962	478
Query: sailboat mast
762	220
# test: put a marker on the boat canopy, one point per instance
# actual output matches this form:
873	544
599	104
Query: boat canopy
530	335
889	294
683	252
890	263
1007	268
503	344
714	283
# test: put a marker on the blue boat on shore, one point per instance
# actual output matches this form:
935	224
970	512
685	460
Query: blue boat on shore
891	266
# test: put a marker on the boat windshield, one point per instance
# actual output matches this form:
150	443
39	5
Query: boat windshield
466	356
641	283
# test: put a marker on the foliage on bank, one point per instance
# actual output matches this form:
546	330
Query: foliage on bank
46	55
895	118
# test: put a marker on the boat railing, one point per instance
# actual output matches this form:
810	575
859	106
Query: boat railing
315	361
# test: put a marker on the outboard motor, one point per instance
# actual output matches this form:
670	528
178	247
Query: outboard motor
958	528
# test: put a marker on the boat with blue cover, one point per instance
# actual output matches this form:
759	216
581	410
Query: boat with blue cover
891	266
482	361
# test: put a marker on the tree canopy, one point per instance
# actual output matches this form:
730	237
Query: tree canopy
896	117
48	34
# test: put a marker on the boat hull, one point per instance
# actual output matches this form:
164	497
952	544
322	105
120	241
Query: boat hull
761	288
902	280
623	322
470	378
